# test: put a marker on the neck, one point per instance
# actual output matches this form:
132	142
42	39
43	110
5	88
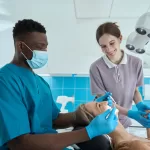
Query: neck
117	59
120	135
20	63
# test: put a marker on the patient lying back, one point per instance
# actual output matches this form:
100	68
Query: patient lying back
121	139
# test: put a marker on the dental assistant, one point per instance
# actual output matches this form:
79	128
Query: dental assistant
29	116
118	73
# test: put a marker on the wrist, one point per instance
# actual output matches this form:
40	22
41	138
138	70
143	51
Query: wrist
129	113
89	132
139	105
122	110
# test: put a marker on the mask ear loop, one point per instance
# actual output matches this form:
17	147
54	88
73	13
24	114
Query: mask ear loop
28	48
24	55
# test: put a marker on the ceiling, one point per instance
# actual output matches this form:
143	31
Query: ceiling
110	8
77	19
84	9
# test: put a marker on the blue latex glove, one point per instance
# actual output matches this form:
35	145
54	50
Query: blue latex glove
142	107
100	125
106	97
138	116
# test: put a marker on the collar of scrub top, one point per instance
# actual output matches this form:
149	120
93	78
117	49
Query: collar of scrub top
110	64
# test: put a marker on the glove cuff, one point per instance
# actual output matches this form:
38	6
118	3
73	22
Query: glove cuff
138	105
129	113
89	132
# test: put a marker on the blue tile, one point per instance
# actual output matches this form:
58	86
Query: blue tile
146	80
90	97
78	103
81	82
57	82
59	105
88	82
68	92
47	79
50	81
69	83
56	93
80	94
70	107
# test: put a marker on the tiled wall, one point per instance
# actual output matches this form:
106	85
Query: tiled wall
79	87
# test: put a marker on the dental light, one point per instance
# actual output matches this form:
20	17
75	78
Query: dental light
137	40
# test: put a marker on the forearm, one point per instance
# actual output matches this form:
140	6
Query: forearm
137	96
122	110
64	120
48	141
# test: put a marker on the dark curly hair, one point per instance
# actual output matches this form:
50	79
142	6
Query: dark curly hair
22	27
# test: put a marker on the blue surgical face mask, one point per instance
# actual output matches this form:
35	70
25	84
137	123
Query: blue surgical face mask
39	58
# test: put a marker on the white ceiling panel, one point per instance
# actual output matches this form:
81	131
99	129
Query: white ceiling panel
92	8
129	8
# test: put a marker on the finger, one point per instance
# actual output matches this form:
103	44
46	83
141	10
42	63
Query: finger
115	124
145	120
100	99
147	108
142	113
110	102
106	112
115	118
112	114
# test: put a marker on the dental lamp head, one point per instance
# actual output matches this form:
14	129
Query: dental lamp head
136	43
138	39
143	25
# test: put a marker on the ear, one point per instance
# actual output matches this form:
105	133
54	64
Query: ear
120	38
19	46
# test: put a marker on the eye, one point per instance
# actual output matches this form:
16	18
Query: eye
103	46
111	43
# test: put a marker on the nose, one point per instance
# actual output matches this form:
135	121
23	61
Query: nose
108	49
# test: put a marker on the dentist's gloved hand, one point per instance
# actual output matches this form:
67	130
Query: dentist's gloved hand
142	107
100	125
106	97
138	116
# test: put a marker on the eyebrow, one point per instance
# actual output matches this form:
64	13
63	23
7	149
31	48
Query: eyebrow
112	41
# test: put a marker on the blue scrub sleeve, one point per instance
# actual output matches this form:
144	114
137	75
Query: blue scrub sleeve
13	113
55	109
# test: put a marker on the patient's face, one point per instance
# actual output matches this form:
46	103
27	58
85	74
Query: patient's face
96	108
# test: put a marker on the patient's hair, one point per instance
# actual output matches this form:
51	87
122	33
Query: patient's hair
22	27
107	28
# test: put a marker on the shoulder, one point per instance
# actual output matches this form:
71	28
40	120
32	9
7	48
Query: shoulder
41	78
7	76
96	64
133	60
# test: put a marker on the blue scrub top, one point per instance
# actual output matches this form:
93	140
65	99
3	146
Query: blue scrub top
26	104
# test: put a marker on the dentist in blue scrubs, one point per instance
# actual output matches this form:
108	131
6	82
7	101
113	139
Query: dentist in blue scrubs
28	115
